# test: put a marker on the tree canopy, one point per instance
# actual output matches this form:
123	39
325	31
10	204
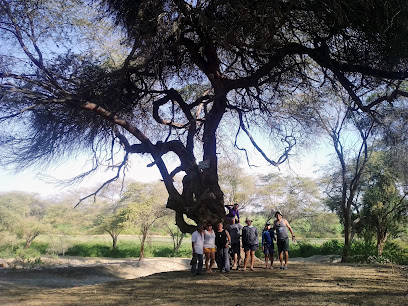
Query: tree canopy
190	69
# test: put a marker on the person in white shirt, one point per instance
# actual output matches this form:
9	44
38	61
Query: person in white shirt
209	248
197	243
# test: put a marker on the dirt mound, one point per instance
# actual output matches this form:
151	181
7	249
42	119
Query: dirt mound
76	271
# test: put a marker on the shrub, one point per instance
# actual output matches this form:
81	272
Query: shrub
397	253
332	247
361	251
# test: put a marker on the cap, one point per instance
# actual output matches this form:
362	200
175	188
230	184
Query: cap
248	219
268	223
278	213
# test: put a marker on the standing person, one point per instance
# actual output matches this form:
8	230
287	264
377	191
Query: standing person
268	236
281	226
222	239
235	230
250	242
233	212
209	248
197	243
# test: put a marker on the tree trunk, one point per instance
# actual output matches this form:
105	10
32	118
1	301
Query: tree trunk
142	243
347	239
114	241
382	237
28	242
177	247
201	198
30	239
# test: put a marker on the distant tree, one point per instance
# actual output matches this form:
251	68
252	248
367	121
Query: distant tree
246	60
176	235
238	186
272	193
322	225
383	205
112	222
144	207
296	197
23	215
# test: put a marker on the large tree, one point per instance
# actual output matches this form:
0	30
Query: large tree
243	60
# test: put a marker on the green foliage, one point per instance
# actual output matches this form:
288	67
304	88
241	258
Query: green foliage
165	251
126	249
331	247
103	250
384	208
297	197
362	251
396	252
322	225
303	249
23	215
36	250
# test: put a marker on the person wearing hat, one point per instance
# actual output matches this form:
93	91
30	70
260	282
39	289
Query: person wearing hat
235	231
250	242
268	236
281	226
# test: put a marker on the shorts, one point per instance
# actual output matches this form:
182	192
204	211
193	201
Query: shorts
283	245
268	249
236	248
250	247
209	250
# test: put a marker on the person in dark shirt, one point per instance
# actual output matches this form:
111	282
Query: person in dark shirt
250	242
222	240
268	236
235	231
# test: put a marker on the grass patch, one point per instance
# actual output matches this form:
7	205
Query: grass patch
395	251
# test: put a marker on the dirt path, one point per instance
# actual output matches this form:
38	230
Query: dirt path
306	282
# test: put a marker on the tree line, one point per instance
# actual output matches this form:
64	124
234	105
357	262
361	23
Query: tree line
310	205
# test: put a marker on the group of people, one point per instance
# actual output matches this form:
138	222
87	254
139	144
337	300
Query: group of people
223	246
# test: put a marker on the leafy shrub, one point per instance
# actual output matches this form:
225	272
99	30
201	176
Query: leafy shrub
163	251
332	247
303	249
103	250
397	253
361	251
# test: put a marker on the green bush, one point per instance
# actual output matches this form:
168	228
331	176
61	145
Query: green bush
124	250
162	251
332	247
362	251
303	249
396	252
18	251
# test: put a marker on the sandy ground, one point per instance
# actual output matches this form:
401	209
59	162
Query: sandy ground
79	271
167	281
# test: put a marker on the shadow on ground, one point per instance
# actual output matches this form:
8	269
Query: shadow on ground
304	283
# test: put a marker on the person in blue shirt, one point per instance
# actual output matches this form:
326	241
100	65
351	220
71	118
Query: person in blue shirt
268	236
232	213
